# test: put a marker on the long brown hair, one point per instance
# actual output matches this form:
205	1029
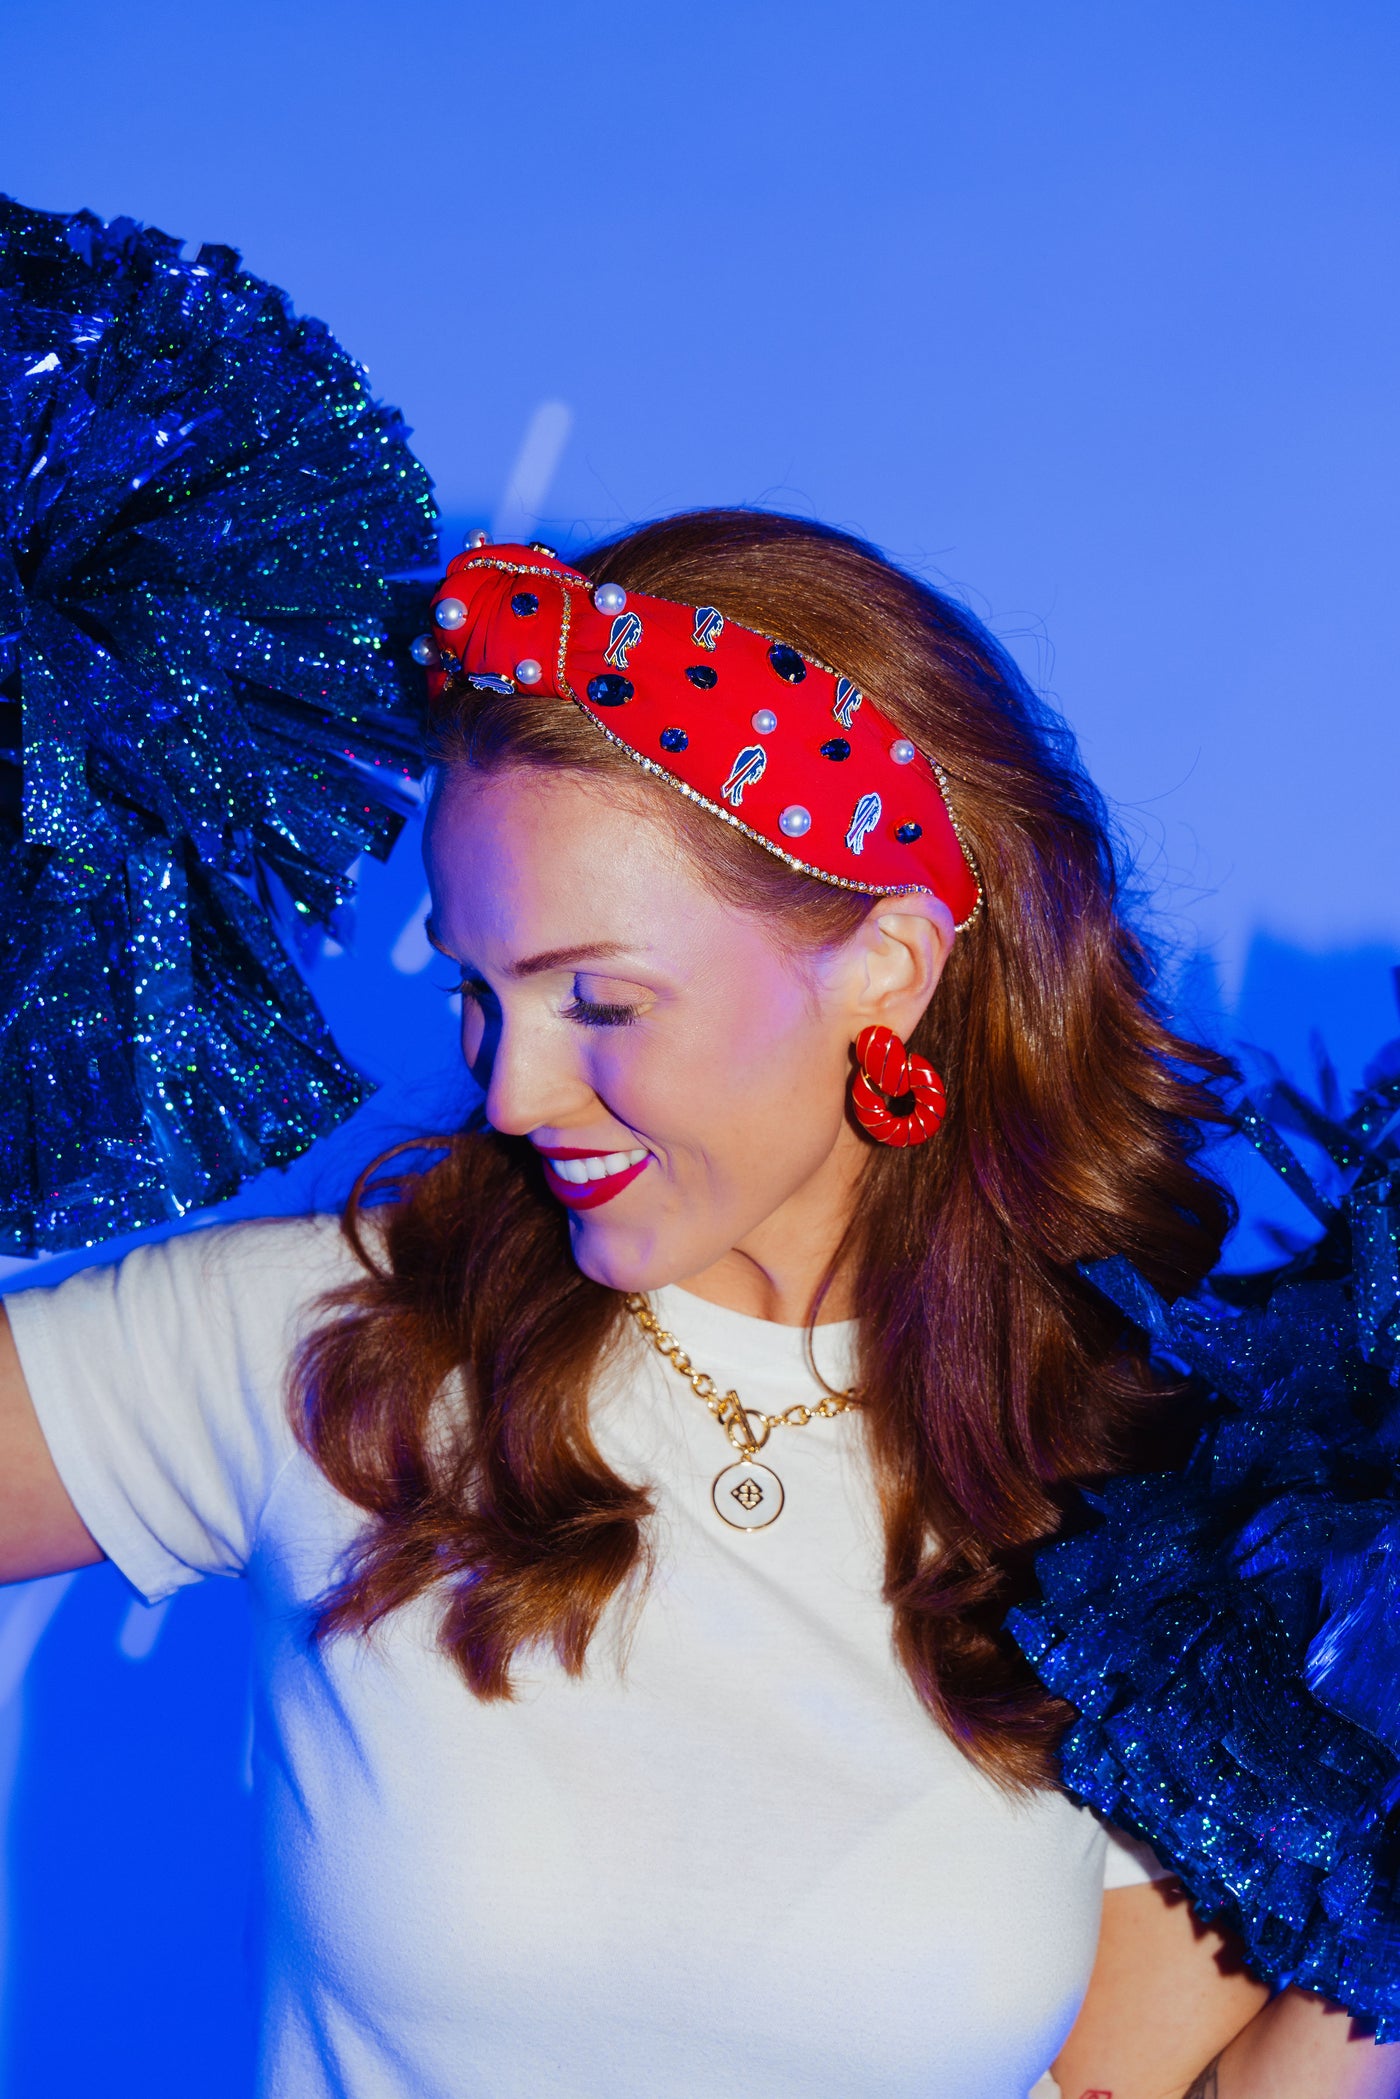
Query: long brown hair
997	1378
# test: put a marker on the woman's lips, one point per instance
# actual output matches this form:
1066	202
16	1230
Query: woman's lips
583	1179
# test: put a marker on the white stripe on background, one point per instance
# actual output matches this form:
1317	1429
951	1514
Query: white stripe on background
411	952
517	514
527	485
25	1611
141	1628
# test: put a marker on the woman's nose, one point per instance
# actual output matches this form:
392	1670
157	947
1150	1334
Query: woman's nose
529	1084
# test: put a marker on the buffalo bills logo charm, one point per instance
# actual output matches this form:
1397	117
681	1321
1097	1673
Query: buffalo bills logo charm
747	768
848	698
863	822
626	633
709	625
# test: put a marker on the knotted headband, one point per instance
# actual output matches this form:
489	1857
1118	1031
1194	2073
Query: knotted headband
790	752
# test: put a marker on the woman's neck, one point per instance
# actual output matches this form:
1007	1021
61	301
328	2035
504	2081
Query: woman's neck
741	1287
783	1270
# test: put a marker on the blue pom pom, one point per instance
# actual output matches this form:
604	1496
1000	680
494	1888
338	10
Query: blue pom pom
1229	1632
203	718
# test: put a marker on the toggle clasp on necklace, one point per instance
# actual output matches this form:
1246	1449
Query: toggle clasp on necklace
747	1431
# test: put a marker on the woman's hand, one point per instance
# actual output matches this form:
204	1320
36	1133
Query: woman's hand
1172	2013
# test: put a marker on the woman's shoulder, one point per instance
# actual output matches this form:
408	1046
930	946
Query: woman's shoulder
160	1381
262	1284
282	1256
235	1297
265	1263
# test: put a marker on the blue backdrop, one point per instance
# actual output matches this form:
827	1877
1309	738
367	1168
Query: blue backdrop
1088	312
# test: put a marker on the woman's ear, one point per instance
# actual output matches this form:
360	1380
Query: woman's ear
899	954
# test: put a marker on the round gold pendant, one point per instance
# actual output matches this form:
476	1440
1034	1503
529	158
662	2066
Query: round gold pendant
747	1496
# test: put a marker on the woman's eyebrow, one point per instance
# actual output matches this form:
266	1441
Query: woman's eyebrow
565	957
549	958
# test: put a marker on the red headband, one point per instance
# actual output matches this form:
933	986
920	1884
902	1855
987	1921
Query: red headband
776	744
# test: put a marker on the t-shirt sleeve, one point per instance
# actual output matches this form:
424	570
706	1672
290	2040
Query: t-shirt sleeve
161	1386
1128	1863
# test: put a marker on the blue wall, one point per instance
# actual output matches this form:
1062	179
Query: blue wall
1090	312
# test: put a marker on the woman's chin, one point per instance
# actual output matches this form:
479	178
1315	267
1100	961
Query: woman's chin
629	1257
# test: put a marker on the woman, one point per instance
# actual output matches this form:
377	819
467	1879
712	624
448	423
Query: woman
606	1741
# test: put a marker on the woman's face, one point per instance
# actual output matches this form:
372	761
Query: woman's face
681	1072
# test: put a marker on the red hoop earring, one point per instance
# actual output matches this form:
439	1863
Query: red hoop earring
888	1069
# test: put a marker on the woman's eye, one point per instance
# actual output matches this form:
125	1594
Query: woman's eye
598	1011
470	987
589	1014
601	1001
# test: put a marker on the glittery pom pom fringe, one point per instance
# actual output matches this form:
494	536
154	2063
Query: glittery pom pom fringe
1230	1633
204	718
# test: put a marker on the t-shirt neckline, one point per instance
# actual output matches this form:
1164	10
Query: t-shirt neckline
729	1343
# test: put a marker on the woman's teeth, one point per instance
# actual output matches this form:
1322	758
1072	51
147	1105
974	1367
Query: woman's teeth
598	1167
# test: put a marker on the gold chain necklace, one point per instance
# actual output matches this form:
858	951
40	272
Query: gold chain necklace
755	1490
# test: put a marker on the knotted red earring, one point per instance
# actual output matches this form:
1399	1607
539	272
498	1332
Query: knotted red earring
896	1095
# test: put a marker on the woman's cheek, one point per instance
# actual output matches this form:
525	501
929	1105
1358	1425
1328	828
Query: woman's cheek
637	1080
660	1083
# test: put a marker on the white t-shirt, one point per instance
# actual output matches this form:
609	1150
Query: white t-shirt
736	1857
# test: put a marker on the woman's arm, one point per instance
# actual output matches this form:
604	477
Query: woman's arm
1172	2014
40	1530
1166	1996
1301	2047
